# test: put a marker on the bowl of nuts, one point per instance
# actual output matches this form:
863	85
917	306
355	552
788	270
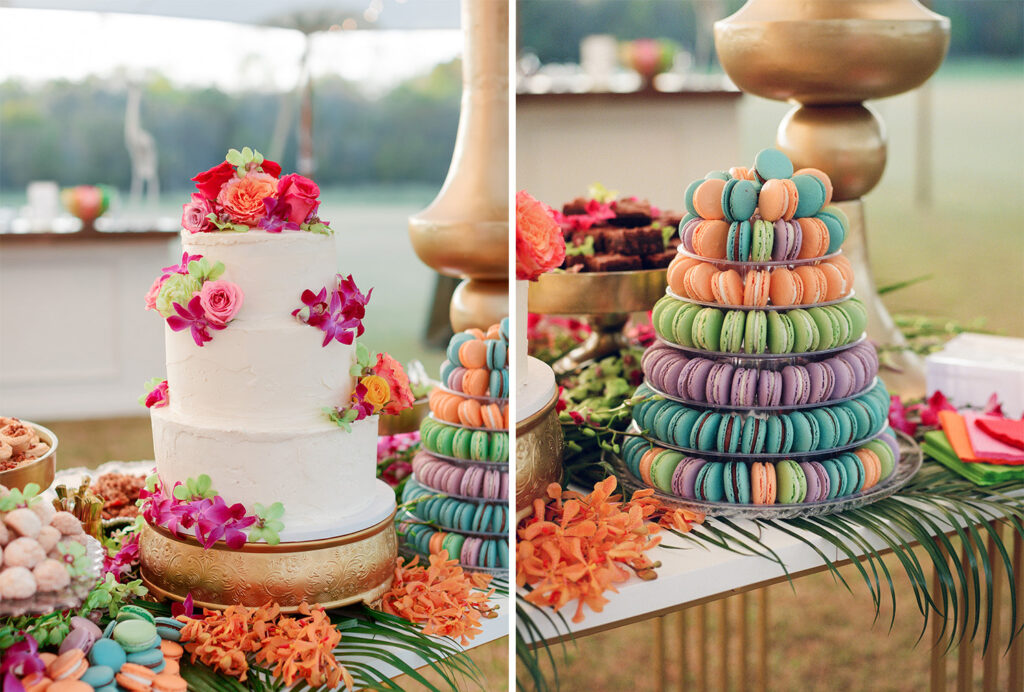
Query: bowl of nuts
28	454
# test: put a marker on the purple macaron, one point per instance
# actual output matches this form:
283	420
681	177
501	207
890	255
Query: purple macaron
787	240
471	550
769	388
890	440
693	379
845	379
822	380
653	355
685	477
817	481
744	387
455	379
472	484
860	373
796	385
670	378
719	383
686	233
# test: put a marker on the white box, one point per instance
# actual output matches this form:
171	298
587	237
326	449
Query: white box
973	366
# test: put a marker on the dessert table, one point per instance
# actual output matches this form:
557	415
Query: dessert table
697	575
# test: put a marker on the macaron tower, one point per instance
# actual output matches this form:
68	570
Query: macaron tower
761	388
457	499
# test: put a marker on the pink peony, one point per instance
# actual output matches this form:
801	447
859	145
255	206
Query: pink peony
220	300
401	393
193	216
210	182
242	198
154	291
300	194
540	246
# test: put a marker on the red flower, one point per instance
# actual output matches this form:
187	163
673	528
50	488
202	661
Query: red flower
300	194
271	168
898	416
210	182
936	402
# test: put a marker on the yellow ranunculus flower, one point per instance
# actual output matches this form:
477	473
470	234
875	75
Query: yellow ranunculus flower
378	392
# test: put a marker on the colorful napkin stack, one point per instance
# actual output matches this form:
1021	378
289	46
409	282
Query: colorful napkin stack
985	449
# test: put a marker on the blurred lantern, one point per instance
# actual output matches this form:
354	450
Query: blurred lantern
87	202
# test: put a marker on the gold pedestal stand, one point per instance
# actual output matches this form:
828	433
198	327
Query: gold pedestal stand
603	299
538	457
464	231
828	58
331	572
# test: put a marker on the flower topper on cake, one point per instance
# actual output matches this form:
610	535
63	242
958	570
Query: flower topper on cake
156	395
382	387
245	192
540	246
340	318
191	296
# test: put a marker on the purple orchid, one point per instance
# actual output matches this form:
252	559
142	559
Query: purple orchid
193	317
19	661
216	520
342	319
160	510
183	267
125	558
186	608
277	216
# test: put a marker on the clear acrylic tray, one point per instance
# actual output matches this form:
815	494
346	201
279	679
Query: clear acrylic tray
460	425
725	306
763	264
760	409
500	400
500	465
464	498
909	463
760	356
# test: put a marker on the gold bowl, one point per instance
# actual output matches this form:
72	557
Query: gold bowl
41	471
331	572
538	456
596	293
405	422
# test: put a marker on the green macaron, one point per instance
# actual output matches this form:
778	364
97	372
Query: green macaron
780	333
828	328
462	443
479	446
134	612
499	447
662	468
683	325
732	333
755	333
135	635
791	482
762	241
805	331
707	329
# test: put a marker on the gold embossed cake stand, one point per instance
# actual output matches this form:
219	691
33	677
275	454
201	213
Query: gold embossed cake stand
603	299
828	58
333	572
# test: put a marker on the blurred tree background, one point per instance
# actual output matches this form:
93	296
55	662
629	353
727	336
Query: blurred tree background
552	29
73	133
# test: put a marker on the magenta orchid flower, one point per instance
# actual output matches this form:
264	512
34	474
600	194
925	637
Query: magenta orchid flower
340	320
277	216
898	416
936	402
216	520
186	608
183	267
19	661
125	558
194	318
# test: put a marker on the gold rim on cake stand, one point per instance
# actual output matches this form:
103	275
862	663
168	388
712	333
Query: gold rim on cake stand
603	299
41	471
538	456
331	572
407	421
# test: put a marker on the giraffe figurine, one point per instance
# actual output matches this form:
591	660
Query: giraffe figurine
141	150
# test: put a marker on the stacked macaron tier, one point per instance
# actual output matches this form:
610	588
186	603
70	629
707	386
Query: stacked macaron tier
763	482
472	552
457	499
761	388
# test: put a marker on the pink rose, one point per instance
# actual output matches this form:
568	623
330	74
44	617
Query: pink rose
193	216
540	246
242	198
154	291
300	194
401	393
220	300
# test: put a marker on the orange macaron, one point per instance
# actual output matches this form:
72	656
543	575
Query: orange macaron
763	484
813	280
707	199
469	413
814	238
710	239
785	287
835	281
645	464
69	686
491	416
872	466
166	682
756	288
37	682
792	198
677	268
70	665
171	650
727	287
473	354
773	200
476	382
698	282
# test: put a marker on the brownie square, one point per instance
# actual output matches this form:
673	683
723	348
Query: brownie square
598	234
612	263
659	260
577	206
670	218
644	240
572	261
630	213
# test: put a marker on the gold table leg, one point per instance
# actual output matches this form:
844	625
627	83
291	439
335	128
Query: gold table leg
1016	681
990	659
659	654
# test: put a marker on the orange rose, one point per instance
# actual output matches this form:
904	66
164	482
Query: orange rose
242	198
378	393
398	382
540	246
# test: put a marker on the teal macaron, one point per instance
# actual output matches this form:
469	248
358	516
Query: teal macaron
837	223
737	247
810	198
495	385
504	328
502	554
805	331
739	200
707	329
659	426
846	424
632	449
755	333
730	433
496	353
736	479
762	240
861	418
688	195
721	175
109	629
781	335
732	332
704	435
107	652
755	430
805	431
682	426
791	482
169	628
836	477
710	483
828	427
772	163
135	635
447	367
480	521
150	658
854	472
99	676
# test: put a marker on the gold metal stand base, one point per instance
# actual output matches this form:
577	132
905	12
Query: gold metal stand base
331	572
538	456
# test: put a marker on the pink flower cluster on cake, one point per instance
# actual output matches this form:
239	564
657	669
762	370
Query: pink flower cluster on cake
340	318
540	246
245	191
190	295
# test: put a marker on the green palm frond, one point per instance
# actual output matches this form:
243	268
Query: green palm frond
532	649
